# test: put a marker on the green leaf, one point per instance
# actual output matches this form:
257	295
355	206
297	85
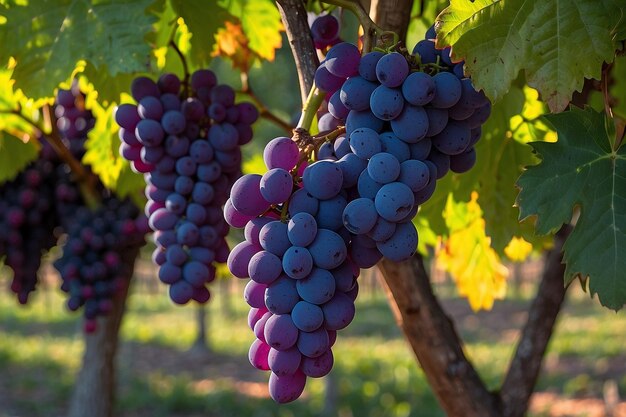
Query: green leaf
203	20
48	38
581	171
15	155
261	24
557	42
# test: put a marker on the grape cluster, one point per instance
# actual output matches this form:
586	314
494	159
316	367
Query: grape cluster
312	222
324	30
92	264
186	137
303	283
409	120
27	222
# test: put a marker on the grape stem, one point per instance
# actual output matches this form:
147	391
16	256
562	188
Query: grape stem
313	102
174	46
370	28
81	175
264	111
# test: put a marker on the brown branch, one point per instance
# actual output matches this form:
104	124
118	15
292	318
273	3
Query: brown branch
524	369
395	14
294	18
433	338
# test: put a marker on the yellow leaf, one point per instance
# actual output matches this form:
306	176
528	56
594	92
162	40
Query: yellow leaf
518	249
469	258
231	42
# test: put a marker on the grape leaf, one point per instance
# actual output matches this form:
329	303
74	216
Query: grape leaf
581	170
558	43
261	23
48	38
203	21
467	255
15	155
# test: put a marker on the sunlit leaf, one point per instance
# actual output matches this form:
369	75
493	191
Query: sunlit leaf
468	257
518	249
558	43
48	38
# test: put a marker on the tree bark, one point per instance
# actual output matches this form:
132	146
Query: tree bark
524	369
294	18
432	336
392	15
94	391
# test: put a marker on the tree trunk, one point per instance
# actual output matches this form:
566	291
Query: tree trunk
432	336
94	391
395	15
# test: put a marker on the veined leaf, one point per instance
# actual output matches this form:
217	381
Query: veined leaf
557	42
48	38
581	170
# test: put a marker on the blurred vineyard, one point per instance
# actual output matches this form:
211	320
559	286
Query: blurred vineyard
166	370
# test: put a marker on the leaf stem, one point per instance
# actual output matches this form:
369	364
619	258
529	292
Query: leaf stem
174	46
370	28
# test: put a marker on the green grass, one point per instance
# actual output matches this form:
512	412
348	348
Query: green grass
375	373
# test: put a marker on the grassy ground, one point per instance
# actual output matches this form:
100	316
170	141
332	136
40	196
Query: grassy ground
374	375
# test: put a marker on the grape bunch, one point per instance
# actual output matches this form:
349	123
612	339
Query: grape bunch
332	204
73	120
303	282
27	223
92	264
186	137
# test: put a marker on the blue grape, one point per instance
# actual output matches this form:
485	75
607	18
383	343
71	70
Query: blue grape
297	262
426	50
264	267
386	103
276	185
319	366
401	245
365	143
313	344
362	119
447	90
383	168
323	179
328	249
307	317
356	92
390	143
284	362
463	162
411	125
418	89
452	140
281	295
392	69
280	332
303	201
329	213
393	201
414	174
367	66
273	237
342	60
338	312
359	216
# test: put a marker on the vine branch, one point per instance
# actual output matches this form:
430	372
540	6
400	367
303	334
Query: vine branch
370	28
294	17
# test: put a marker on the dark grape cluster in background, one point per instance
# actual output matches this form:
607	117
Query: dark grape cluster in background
186	139
310	225
325	29
92	264
44	202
